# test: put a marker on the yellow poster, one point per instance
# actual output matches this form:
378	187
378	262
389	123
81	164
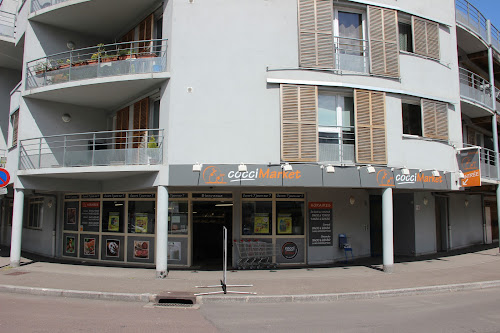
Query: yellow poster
285	224
261	224
114	221
141	223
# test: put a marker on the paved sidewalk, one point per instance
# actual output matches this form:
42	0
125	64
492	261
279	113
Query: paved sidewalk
467	270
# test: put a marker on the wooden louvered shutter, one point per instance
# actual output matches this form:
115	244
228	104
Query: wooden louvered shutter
435	119
425	37
299	124
141	118
121	125
369	113
146	33
15	127
316	33
384	41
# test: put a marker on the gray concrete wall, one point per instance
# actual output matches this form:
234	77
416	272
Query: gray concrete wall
404	224
40	241
425	223
466	222
9	78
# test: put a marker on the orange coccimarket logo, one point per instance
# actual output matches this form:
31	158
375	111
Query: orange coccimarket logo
385	178
213	175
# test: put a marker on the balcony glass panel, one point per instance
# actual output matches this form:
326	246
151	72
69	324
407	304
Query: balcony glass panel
7	23
351	54
475	88
138	57
336	145
135	147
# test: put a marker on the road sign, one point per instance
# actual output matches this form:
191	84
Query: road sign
4	177
469	164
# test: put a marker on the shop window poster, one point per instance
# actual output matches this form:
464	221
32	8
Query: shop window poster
285	224
71	215
141	223
114	221
261	224
112	248
89	246
174	251
141	249
70	244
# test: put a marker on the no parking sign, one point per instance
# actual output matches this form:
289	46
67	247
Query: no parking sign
4	177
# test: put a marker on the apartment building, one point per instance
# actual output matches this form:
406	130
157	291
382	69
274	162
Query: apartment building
137	130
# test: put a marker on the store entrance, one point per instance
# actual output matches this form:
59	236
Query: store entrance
208	219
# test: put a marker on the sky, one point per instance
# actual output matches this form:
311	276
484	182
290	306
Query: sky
490	9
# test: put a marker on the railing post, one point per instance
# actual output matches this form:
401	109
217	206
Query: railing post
70	65
93	148
40	153
64	152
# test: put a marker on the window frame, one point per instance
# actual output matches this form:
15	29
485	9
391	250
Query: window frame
35	203
14	121
414	103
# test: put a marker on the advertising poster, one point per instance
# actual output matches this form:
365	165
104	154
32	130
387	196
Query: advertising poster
141	249
174	251
470	164
141	223
285	224
320	224
70	244
114	221
90	215
71	215
112	248
89	246
261	224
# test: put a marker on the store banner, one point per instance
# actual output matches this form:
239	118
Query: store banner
470	164
320	224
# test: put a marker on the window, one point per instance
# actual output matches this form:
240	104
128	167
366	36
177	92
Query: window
35	209
405	37
412	119
257	218
419	36
178	217
290	218
349	39
14	119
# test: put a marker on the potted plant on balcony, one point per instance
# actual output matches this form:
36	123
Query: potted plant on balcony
96	56
124	54
145	53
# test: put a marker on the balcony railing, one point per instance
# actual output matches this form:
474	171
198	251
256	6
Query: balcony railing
352	54
7	23
107	148
41	4
488	162
470	17
336	144
475	88
137	57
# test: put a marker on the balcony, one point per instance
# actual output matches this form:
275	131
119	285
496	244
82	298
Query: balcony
488	163
471	18
41	4
7	24
336	144
107	148
475	89
352	54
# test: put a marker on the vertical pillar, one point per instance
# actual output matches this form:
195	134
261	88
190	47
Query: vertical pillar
17	228
162	232
387	231
498	207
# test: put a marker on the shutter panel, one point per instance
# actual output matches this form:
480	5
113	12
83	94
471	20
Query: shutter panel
435	119
384	41
121	125
146	33
316	33
15	126
141	111
299	125
425	37
369	108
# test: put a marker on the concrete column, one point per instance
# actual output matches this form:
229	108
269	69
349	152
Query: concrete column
17	228
498	207
162	232
387	231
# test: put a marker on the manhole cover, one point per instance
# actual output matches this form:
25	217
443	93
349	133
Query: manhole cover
17	273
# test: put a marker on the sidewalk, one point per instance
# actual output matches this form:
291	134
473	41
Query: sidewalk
360	277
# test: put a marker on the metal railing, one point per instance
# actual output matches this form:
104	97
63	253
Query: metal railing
41	4
336	144
7	23
106	148
352	54
488	162
475	88
470	17
137	57
495	38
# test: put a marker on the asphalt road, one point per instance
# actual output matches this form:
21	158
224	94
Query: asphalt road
471	311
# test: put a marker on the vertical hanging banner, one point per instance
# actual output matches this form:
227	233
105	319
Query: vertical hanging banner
320	224
470	164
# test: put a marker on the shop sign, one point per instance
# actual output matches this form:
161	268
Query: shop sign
289	250
320	224
142	196
177	195
256	196
385	177
289	196
72	196
91	196
114	196
213	195
213	175
469	164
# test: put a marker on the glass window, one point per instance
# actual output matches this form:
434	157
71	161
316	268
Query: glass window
141	217
290	219
327	110
257	218
405	37
35	212
412	119
178	218
113	216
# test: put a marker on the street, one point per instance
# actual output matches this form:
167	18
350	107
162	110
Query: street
470	311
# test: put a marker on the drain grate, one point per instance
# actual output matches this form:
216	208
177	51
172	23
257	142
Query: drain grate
16	273
175	299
